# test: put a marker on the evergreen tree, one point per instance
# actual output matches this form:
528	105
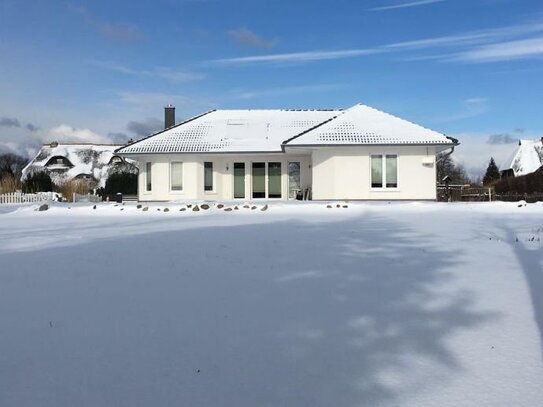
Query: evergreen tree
124	182
492	173
38	182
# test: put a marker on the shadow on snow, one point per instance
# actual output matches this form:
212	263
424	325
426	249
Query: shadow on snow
347	313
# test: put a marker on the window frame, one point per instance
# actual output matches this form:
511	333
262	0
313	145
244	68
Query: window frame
383	156
177	191
213	180
148	177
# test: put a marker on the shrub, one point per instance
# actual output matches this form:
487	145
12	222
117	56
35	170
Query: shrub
10	183
38	182
526	184
124	182
68	188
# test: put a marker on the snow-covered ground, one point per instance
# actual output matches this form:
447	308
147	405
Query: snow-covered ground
407	304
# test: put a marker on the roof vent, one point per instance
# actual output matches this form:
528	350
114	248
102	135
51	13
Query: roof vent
54	144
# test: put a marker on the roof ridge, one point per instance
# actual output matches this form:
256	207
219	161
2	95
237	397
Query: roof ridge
164	130
341	112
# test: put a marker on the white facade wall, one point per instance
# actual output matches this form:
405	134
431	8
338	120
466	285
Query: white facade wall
345	173
223	175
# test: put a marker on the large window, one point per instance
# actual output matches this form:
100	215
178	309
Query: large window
274	180
148	177
239	180
176	176
384	171
294	184
208	176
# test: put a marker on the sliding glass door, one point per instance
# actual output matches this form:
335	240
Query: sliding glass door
274	180
239	180
259	180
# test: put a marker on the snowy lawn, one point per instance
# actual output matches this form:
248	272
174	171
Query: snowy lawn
408	304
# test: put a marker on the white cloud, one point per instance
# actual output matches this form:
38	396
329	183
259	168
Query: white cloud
503	51
166	73
299	56
477	46
68	134
474	152
406	5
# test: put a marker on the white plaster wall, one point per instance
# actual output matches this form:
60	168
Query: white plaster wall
344	173
223	171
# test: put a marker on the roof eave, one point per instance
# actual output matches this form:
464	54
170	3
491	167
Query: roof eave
372	144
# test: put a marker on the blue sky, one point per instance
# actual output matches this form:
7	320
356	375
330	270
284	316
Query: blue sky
103	70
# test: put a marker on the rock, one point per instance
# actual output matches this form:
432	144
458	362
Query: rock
189	206
338	206
246	206
145	209
94	207
236	208
158	209
166	210
220	206
204	207
253	208
138	206
122	209
227	209
264	208
183	209
345	206
43	207
195	209
329	206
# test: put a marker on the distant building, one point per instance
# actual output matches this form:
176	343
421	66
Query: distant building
527	158
90	162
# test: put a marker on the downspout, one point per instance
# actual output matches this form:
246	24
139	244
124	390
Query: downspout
446	155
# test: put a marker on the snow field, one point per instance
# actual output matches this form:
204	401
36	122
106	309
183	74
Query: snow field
402	304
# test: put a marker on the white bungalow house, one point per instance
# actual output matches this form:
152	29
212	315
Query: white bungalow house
358	153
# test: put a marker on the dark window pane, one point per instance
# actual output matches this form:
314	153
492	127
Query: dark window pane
274	180
148	177
208	176
294	185
259	180
239	180
392	171
376	171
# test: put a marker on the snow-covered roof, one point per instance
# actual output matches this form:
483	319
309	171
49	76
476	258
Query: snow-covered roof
228	131
232	131
527	158
88	159
365	125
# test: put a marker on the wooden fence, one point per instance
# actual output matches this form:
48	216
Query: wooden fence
86	198
19	197
466	193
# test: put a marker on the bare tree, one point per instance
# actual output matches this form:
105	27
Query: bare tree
12	164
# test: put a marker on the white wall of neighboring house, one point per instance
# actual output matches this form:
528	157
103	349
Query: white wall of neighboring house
345	173
223	175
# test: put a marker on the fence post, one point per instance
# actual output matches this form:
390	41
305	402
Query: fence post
489	194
